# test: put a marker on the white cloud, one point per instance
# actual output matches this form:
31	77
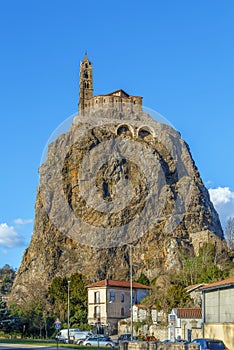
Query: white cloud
9	237
20	221
221	195
223	200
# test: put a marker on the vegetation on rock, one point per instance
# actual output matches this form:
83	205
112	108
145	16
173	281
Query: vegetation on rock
168	291
7	275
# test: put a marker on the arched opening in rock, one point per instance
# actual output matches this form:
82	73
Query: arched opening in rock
124	130
144	132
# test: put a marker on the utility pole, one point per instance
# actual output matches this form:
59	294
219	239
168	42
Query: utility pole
131	291
68	311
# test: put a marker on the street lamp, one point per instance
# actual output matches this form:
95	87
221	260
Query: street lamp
131	294
68	311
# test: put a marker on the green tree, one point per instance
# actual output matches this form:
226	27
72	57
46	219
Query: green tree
58	297
4	312
176	297
8	321
58	293
143	280
211	274
79	300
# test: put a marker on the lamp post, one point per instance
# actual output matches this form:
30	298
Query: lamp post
131	291
68	311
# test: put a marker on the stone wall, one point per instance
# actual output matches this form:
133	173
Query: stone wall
199	238
160	332
156	346
132	103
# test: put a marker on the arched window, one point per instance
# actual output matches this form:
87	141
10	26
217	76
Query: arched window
97	312
97	297
112	296
122	311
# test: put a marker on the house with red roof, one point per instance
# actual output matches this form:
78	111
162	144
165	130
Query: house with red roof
183	322
218	311
109	301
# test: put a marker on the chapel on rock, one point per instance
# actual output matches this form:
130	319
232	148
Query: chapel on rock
118	99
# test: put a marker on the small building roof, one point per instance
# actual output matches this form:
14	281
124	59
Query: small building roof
217	285
194	287
189	312
116	283
119	93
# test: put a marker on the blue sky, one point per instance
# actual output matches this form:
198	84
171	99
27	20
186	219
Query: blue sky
178	55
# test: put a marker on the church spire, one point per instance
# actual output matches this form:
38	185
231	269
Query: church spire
86	83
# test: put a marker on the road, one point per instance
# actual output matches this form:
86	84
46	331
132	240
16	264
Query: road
26	347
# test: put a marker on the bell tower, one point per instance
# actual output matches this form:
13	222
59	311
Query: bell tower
86	84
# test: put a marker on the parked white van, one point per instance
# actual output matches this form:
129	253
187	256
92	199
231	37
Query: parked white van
62	335
75	334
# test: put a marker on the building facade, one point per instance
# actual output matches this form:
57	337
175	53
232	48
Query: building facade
218	311
183	321
109	301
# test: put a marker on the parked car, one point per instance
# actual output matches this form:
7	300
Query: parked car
101	341
125	337
81	336
183	341
210	344
102	336
166	341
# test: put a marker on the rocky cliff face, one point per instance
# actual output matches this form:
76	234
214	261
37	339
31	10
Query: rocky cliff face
116	178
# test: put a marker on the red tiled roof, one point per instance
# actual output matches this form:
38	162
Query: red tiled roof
222	283
195	312
117	283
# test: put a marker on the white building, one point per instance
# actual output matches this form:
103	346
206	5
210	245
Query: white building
182	322
109	301
142	313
